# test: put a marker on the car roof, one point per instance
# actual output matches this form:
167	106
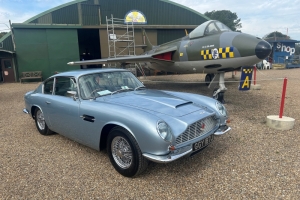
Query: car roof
80	72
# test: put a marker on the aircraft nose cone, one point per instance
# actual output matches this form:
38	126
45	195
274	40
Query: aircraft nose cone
263	49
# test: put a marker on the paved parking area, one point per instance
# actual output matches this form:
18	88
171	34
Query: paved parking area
251	162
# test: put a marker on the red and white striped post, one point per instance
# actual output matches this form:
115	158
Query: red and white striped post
283	97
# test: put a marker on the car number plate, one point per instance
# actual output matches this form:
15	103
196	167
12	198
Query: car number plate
203	143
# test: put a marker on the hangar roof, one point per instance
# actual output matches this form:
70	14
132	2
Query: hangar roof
119	4
92	14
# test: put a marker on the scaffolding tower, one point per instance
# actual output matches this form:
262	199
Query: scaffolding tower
121	42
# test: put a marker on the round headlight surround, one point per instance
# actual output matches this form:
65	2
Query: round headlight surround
221	108
164	131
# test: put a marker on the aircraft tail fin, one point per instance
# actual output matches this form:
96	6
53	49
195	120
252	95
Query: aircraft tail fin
186	32
146	41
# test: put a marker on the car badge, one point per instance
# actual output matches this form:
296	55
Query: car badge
202	126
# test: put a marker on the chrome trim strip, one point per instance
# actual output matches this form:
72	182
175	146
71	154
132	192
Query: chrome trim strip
166	158
222	132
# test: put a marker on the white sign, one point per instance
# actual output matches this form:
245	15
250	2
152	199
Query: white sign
286	48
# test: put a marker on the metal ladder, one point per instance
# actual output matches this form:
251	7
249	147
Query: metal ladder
121	42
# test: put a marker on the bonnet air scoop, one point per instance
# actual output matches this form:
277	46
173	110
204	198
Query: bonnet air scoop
184	104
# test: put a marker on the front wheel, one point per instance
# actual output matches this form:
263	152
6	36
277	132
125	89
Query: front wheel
41	123
219	96
124	153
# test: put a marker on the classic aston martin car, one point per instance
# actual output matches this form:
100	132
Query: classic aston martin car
111	109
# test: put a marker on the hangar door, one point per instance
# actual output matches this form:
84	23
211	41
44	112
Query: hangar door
46	49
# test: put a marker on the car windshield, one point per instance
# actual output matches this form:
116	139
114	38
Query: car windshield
208	28
107	83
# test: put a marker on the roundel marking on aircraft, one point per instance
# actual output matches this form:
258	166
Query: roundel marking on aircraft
215	53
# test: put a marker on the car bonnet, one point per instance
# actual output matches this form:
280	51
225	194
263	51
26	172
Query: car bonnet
155	101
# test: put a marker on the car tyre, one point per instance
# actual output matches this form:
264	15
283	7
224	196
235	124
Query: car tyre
41	123
124	153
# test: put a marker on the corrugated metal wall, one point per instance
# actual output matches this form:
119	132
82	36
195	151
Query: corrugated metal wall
7	44
66	15
157	12
90	14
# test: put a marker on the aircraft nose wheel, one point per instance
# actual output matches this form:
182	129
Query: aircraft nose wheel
219	96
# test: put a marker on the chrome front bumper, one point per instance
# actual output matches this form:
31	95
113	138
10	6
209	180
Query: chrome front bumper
222	130
181	152
25	111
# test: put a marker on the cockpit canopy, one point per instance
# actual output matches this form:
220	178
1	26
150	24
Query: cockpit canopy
209	28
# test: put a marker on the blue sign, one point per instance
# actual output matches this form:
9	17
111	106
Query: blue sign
246	78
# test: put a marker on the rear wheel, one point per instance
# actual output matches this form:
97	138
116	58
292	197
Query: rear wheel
41	123
124	153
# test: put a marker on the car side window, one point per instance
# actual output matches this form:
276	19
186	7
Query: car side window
48	86
63	85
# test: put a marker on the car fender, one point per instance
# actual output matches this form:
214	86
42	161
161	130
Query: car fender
146	136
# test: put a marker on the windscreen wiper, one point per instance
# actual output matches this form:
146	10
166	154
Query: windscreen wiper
121	90
139	87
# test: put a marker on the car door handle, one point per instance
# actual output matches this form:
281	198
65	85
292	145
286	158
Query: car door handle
88	118
48	102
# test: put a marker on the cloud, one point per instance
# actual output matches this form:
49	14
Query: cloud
14	9
257	17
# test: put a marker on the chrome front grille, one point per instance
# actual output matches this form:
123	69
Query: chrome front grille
197	129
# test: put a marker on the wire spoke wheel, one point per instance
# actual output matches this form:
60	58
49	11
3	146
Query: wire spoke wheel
121	152
124	153
40	120
40	123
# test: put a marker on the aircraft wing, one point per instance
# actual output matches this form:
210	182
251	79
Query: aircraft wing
160	57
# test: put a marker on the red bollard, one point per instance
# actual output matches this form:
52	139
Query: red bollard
283	97
254	75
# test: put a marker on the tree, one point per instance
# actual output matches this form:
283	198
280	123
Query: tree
227	17
2	34
276	35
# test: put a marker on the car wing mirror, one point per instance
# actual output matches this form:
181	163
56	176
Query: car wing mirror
72	94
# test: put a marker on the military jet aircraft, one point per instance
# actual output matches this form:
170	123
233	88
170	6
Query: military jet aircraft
211	48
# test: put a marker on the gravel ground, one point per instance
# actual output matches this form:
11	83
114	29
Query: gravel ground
253	161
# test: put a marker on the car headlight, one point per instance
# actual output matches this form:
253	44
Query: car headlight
164	131
221	108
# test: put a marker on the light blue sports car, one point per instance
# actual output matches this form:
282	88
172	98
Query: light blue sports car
111	109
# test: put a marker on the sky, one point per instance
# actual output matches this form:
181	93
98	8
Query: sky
257	17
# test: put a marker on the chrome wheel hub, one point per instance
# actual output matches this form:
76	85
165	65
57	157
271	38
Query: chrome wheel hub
40	120
121	152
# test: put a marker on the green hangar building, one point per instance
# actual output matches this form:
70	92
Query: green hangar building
78	30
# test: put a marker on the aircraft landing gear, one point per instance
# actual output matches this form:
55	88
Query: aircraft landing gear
218	94
208	79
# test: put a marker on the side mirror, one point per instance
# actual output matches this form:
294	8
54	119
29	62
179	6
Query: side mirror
72	94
